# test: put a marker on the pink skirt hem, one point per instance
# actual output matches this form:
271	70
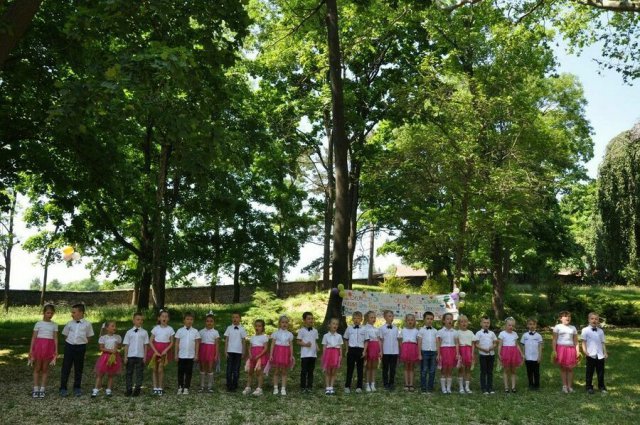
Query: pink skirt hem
103	368
465	355
281	356
373	351
566	356
331	358
44	349
409	352
208	353
160	347
448	357
510	356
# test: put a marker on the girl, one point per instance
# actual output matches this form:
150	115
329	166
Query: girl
509	353
208	355
331	356
372	353
258	346
565	349
466	340
109	363
409	350
159	355
448	351
281	357
43	350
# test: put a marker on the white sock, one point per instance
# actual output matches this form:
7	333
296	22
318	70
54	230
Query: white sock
42	389
211	380
449	382
202	379
443	384
468	384
461	383
35	389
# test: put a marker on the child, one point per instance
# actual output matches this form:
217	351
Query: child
234	350
161	343
331	356
187	349
77	333
109	363
307	340
448	351
593	346
532	342
466	343
565	349
509	353
390	350
409	350
355	336
427	343
372	351
258	346
281	357
486	342
136	342
43	350
208	354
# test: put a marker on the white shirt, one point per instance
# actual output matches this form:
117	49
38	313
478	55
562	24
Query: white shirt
409	335
187	342
162	333
46	330
466	338
389	339
428	338
282	337
78	332
371	333
136	342
110	342
447	337
486	341
509	339
565	334
259	340
330	340
305	335
355	337
531	344
209	336
235	338
595	342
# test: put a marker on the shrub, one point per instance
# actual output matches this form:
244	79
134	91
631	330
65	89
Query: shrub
437	285
395	285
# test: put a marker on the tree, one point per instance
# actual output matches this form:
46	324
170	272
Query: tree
8	240
14	23
35	284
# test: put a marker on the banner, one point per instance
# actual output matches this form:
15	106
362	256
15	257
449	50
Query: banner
399	304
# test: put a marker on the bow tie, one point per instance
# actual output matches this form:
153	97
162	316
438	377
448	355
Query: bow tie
235	327
77	321
136	330
428	327
531	333
389	326
356	327
187	328
485	331
594	329
310	328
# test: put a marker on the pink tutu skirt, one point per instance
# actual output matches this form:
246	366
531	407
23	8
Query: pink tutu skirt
409	352
160	347
566	356
208	353
44	349
262	360
466	359
448	357
103	368
510	356
331	358
281	356
373	351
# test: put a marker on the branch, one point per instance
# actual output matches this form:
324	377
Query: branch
612	5
14	23
299	25
530	11
115	231
458	5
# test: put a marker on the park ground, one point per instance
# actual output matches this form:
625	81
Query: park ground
548	406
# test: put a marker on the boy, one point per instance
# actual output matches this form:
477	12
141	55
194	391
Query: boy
135	342
427	343
595	350
390	350
355	336
532	342
77	333
187	345
307	340
234	350
486	342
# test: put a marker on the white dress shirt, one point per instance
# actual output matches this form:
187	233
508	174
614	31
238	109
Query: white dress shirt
509	339
595	341
355	336
332	340
565	334
308	336
409	335
282	337
77	332
46	330
235	335
209	336
531	345
428	338
136	342
162	333
486	340
447	337
389	339
187	342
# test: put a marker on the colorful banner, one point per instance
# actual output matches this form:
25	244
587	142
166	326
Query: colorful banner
399	304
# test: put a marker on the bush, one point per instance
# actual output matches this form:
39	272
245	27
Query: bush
395	285
438	285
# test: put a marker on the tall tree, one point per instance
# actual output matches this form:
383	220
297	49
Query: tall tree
8	240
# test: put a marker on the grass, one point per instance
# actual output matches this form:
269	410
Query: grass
549	406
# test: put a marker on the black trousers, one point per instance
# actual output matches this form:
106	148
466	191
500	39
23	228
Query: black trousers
308	364
233	370
73	356
135	365
486	372
354	359
596	365
533	373
185	370
389	363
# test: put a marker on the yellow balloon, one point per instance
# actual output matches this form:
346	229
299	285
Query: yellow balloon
341	293
461	304
67	250
340	287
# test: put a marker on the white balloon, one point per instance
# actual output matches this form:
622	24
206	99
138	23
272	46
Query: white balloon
462	294
75	256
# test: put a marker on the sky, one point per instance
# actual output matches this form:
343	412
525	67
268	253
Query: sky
613	107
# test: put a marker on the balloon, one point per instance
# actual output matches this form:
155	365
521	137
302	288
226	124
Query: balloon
340	287
456	290
334	291
454	296
341	293
67	250
67	257
462	294
461	304
75	256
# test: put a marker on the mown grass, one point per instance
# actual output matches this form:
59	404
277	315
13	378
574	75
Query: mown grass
548	406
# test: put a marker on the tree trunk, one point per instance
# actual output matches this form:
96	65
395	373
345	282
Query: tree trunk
497	264
461	239
15	22
328	209
354	197
159	230
236	282
340	256
7	251
372	241
216	263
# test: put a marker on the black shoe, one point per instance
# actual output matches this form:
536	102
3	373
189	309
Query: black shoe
590	390
128	393
136	392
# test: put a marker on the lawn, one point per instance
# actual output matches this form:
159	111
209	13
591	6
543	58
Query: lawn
549	406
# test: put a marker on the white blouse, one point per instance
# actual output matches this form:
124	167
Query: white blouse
332	340
45	330
565	334
209	336
162	333
282	337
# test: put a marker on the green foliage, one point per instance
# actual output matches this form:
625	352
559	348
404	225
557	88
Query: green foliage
35	284
437	285
395	285
87	284
265	306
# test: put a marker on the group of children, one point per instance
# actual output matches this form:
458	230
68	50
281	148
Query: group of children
447	349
